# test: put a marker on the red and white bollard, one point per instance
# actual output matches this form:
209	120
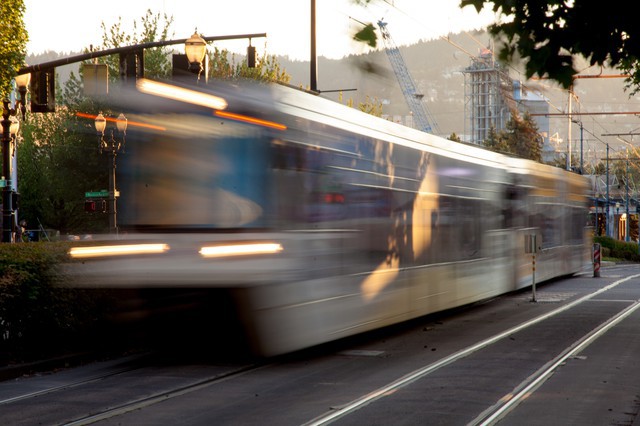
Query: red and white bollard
596	260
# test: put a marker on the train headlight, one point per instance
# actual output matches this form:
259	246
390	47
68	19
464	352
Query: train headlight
117	250
249	249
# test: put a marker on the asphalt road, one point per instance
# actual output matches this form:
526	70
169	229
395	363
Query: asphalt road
566	359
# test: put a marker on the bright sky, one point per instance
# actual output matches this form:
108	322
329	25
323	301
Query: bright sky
72	25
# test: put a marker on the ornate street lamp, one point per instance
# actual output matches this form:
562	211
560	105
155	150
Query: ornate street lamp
113	147
101	124
10	126
195	48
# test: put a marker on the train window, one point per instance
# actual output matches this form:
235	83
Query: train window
471	221
287	156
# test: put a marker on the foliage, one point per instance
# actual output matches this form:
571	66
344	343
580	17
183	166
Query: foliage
523	137
454	137
367	35
37	313
373	107
548	34
496	142
619	249
13	43
598	169
223	65
59	161
156	60
520	138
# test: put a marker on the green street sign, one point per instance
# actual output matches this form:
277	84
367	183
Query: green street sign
96	194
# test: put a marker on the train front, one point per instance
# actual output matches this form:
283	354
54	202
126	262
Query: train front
195	226
193	199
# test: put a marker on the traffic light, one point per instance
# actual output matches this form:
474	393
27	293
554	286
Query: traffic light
89	206
95	206
251	56
43	91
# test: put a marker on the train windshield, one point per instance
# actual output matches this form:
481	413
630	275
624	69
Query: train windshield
190	171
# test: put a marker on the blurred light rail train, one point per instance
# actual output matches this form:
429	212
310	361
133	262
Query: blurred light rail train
321	221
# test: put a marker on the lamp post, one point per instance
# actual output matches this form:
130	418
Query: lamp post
195	48
10	126
112	147
606	215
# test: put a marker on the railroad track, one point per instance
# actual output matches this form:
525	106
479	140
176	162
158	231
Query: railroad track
347	386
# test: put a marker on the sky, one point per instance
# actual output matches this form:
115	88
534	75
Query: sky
61	26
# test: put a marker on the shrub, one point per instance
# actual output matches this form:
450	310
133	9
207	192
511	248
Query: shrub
618	249
39	316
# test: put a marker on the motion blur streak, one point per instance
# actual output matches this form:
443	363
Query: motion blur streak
384	275
251	120
424	215
129	123
240	250
119	250
179	94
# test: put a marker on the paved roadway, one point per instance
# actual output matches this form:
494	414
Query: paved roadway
564	360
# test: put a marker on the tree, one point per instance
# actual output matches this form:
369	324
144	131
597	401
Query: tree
13	43
547	35
520	138
496	142
58	161
156	60
523	137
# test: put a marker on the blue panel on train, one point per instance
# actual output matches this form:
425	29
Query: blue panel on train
193	182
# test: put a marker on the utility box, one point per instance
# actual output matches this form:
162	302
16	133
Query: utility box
531	243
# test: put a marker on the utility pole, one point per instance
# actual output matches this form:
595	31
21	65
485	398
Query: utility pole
569	130
313	66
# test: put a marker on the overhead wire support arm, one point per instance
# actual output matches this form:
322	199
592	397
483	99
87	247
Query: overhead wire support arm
421	114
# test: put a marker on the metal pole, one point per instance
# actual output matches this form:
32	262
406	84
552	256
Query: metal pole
313	65
533	274
597	227
569	130
581	142
608	221
7	208
125	49
626	185
113	224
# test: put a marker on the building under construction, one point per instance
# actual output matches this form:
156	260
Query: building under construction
491	96
488	98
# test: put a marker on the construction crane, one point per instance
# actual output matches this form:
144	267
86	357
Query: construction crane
421	114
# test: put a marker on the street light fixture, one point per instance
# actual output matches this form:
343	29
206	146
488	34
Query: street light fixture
101	124
10	127
195	48
113	147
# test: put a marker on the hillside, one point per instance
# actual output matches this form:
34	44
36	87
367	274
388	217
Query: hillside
436	67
